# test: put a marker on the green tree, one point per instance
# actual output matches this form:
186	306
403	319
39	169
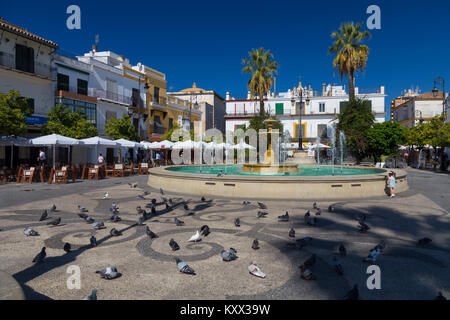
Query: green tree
168	134
356	120
262	68
439	137
418	136
62	121
385	138
121	129
13	110
351	55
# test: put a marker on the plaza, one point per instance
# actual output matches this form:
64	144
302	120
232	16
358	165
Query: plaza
148	267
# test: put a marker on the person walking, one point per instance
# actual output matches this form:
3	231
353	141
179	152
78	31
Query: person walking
391	184
42	157
157	158
100	159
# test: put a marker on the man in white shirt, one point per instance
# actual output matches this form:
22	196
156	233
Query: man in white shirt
100	159
42	157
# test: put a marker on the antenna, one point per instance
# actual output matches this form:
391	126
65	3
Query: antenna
97	39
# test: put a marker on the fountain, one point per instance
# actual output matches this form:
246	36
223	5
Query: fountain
342	142
333	145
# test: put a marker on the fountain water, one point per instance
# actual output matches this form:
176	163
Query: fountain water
333	146
342	143
318	151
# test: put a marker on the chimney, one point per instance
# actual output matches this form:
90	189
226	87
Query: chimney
94	48
248	95
227	97
323	89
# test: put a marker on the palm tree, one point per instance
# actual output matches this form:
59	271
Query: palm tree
261	66
351	56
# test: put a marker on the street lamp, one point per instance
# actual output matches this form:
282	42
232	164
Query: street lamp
440	81
293	102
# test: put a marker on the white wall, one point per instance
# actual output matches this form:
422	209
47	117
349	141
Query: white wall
102	108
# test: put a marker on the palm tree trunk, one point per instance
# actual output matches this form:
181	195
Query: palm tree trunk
351	86
261	107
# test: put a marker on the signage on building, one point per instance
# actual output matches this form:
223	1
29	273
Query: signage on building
36	120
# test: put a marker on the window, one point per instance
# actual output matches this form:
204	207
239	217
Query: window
158	126
170	123
62	82
322	107
299	129
135	97
156	95
279	108
88	109
24	58
239	126
82	87
322	130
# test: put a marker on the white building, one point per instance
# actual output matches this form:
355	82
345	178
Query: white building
319	112
26	66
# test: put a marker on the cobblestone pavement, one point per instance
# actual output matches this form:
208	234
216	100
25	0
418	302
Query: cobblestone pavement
150	272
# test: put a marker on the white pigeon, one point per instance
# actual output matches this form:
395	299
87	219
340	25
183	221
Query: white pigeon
256	271
196	237
106	196
30	232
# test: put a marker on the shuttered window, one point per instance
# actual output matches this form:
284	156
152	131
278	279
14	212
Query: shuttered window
279	109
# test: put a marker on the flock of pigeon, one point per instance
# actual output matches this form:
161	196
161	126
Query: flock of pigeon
306	269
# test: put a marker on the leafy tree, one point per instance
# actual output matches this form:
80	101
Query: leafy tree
418	136
439	137
261	66
356	120
61	120
13	110
121	129
351	55
257	122
168	134
385	138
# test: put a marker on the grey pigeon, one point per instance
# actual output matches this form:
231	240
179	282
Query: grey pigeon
89	220
292	233
83	216
93	241
262	214
30	232
173	245
67	247
98	225
363	227
161	190
150	233
205	230
237	222
108	273
186	207
246	202
424	241
146	193
140	196
44	215
92	296
255	244
315	205
353	294
337	266
307	275
115	218
53	208
342	250
262	206
284	218
115	233
178	222
82	209
183	267
40	256
228	255
54	222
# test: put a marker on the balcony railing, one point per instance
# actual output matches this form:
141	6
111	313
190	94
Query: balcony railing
108	95
9	61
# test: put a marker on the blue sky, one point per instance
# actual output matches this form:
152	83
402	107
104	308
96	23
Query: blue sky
205	41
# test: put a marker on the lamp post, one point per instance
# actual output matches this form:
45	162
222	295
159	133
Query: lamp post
440	81
293	102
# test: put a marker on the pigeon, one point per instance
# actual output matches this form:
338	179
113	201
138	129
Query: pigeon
440	296
134	185
150	233
353	294
253	269
89	220
83	216
53	208
228	255
108	273
342	250
205	230
186	207
195	238
67	247
82	209
337	266
262	214
139	209
245	203
141	221
161	191
318	212
92	296
220	174
140	196
203	199
292	233
106	196
255	244
171	201
373	255
98	225
363	227
424	241
237	222
174	245
40	256
331	209
307	275
54	222
146	193
307	217
115	233
153	201
284	218
115	218
30	232
44	215
184	268
315	205
380	246
262	206
178	222
309	262
93	241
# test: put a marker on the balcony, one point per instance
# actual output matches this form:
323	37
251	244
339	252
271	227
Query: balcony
108	95
8	60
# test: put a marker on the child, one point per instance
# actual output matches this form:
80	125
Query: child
391	183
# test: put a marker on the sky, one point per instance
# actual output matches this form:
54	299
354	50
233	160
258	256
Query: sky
205	41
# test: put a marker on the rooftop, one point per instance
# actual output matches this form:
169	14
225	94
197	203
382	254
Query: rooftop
4	25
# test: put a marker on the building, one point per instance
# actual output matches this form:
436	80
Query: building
26	66
212	106
406	96
420	108
318	112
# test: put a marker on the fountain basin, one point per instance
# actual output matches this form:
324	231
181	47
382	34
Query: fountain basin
363	183
271	169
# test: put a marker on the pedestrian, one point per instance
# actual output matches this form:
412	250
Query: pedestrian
161	156
391	184
42	157
157	158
